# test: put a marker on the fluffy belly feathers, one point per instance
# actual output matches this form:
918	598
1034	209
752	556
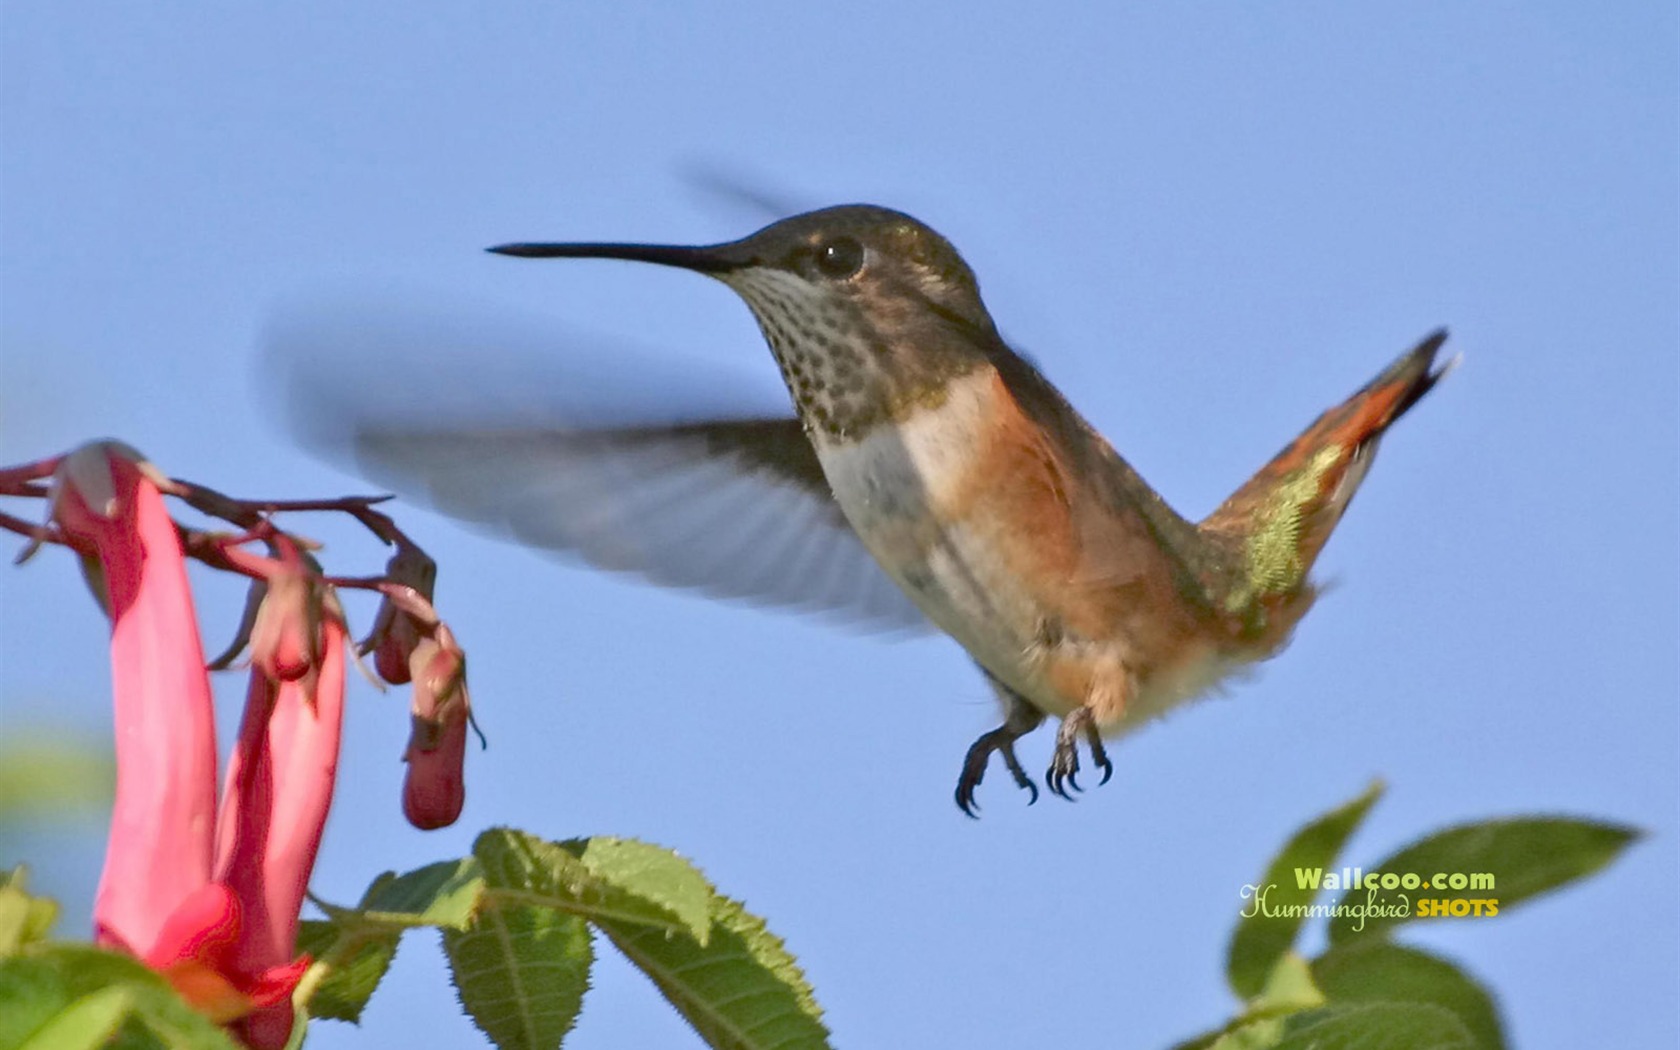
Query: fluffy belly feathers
954	510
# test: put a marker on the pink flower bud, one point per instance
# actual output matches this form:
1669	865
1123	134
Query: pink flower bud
285	640
396	631
394	644
434	789
286	633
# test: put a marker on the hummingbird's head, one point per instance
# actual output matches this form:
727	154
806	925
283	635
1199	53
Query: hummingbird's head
868	312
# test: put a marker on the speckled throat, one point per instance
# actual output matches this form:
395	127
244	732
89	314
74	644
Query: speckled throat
846	372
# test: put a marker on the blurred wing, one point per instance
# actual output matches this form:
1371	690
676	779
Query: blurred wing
460	413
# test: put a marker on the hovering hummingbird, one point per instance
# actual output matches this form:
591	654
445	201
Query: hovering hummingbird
923	441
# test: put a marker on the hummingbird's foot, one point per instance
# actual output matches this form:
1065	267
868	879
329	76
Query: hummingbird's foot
1064	762
1002	740
1022	718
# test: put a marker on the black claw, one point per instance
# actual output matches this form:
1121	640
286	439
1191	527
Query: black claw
1058	782
1064	768
1099	755
1064	763
966	804
1015	770
1062	778
974	770
1023	718
965	794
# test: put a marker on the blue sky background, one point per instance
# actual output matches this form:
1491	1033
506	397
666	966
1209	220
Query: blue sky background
1207	222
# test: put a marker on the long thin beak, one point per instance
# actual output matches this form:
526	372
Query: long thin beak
714	259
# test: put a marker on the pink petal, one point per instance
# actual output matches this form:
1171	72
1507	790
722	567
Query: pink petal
161	824
203	927
196	952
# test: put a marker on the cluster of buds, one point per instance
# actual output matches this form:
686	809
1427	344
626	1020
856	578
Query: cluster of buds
412	646
206	891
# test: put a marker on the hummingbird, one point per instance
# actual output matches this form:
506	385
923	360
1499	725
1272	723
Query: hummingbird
923	443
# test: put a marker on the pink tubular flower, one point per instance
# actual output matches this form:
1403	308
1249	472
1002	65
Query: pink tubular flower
165	735
279	788
209	901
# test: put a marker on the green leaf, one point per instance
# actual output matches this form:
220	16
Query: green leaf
521	971
442	894
1289	987
175	1025
1252	1035
522	966
741	990
86	1024
1278	903
1518	858
33	992
1376	1026
355	946
652	873
1373	970
348	965
516	927
86	968
599	879
24	919
1200	1042
156	1016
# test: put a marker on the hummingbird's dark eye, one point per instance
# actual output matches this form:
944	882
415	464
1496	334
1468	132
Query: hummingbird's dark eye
840	257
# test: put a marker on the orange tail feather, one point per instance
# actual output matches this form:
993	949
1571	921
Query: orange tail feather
1306	487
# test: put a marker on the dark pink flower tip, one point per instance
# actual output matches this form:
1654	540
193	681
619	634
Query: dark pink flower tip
203	927
266	1028
198	953
164	812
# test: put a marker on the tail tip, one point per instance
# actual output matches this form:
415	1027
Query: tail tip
1447	369
1426	350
